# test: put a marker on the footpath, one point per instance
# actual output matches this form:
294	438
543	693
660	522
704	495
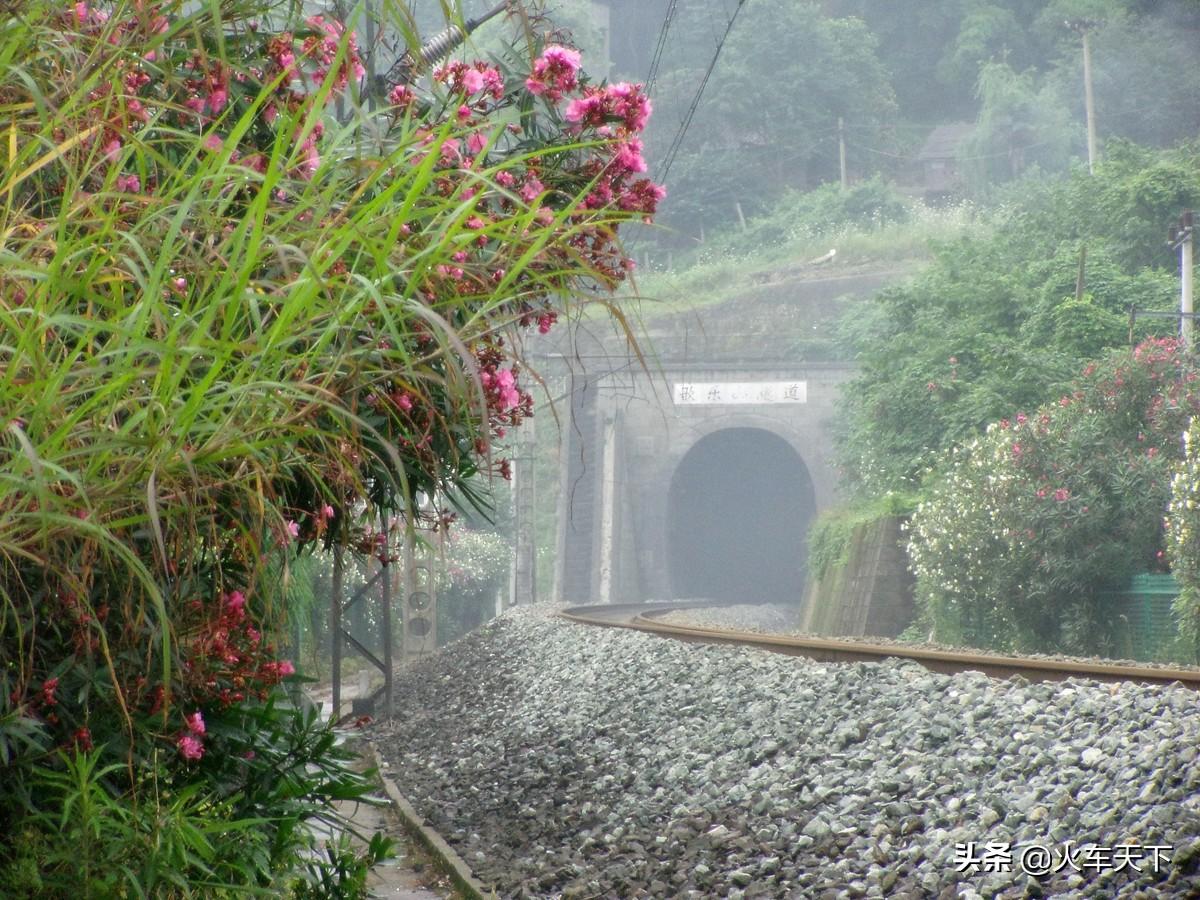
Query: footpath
410	873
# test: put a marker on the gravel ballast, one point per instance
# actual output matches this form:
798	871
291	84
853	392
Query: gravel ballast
562	760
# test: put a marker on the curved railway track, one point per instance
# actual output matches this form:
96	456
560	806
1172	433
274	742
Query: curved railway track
643	617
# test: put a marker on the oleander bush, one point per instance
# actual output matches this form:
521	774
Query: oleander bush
1007	313
245	309
476	566
1183	539
1026	528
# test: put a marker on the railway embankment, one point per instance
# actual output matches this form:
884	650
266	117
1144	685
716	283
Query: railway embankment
564	760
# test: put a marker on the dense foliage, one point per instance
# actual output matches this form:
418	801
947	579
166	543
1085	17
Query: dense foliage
235	321
997	322
476	568
1025	527
830	68
1183	538
892	72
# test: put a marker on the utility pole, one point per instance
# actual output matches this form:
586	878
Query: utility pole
1182	236
1084	27
1089	103
842	150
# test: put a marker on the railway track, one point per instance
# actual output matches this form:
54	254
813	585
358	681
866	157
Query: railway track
643	617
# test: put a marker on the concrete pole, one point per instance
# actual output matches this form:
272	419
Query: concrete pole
842	151
608	501
385	601
1185	299
1089	103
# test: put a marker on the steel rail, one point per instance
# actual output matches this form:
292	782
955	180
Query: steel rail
641	617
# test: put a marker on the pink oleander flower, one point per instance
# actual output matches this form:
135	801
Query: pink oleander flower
293	529
235	602
194	722
401	96
506	390
190	747
628	156
598	106
554	73
531	190
476	141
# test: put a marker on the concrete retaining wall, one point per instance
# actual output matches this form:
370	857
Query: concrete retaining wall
871	594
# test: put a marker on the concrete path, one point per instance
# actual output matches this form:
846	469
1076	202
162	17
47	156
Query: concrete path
406	876
409	874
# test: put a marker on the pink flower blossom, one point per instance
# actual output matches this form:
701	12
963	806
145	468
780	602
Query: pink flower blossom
401	96
554	73
628	156
130	184
472	81
194	722
531	190
1061	494
293	529
190	747
476	141
235	602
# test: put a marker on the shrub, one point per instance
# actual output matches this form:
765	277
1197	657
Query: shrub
234	324
984	329
1025	527
1183	538
475	566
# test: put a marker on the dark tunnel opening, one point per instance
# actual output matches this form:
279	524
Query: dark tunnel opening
740	506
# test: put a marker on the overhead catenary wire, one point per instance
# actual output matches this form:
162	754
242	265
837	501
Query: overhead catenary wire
673	149
660	46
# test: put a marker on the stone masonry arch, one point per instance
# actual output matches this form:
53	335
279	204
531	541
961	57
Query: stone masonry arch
630	434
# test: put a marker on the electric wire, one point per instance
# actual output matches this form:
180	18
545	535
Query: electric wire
673	150
656	60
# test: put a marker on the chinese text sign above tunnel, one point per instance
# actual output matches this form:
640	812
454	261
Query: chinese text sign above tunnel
713	392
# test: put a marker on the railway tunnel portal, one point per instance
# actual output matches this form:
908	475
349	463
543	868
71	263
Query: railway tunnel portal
739	506
699	473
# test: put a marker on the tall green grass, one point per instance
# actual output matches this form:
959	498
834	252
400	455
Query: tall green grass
207	339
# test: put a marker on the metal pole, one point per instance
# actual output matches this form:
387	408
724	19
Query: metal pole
335	632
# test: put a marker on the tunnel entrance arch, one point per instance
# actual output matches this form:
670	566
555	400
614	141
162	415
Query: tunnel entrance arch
740	504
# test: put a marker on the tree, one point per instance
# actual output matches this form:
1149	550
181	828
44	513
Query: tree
768	118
